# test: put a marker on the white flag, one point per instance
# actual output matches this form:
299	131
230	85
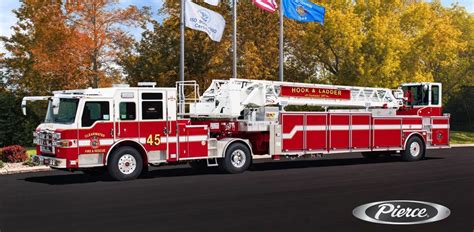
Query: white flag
212	2
203	19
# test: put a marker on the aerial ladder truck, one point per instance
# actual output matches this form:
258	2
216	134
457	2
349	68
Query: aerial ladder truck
125	129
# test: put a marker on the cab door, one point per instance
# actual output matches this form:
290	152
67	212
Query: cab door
153	125
96	127
126	120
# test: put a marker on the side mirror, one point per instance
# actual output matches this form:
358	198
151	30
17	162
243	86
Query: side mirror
31	98
55	105
23	106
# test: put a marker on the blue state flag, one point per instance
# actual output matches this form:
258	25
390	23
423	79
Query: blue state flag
303	11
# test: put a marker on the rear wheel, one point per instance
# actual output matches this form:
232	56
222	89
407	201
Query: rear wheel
414	150
237	158
125	164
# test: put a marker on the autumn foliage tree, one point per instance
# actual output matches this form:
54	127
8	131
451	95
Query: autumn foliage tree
29	65
66	44
100	21
59	45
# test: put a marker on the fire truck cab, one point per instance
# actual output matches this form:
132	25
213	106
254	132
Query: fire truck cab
125	129
129	127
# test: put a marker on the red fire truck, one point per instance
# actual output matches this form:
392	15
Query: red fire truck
125	129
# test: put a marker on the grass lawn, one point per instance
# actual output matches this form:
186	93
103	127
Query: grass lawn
462	137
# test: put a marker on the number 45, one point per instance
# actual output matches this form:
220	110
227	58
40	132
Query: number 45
153	139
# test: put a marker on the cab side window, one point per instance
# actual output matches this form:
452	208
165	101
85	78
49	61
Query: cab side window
435	95
152	105
95	111
127	111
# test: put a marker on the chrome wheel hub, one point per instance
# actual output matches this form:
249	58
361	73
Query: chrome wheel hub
127	164
415	149
238	158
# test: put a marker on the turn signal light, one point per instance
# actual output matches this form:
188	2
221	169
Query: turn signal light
62	143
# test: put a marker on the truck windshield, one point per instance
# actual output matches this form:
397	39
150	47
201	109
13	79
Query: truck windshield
66	113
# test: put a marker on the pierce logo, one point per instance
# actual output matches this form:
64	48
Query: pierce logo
401	212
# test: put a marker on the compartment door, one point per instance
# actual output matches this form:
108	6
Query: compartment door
292	132
316	132
339	132
387	133
360	131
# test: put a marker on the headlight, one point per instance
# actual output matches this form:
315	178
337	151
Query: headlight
62	143
35	135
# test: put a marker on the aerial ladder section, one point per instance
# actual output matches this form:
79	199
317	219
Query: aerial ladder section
228	98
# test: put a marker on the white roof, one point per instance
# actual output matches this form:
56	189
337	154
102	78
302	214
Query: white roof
106	92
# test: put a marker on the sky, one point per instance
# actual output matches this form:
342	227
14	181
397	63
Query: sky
8	19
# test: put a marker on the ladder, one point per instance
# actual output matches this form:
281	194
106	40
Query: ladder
227	98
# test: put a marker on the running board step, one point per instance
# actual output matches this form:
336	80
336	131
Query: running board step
212	162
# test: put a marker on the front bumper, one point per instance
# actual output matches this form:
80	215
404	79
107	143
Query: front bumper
49	161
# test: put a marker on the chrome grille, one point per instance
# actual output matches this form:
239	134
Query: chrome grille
45	141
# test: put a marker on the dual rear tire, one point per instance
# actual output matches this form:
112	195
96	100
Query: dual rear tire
415	150
238	158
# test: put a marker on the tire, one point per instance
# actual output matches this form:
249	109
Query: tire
198	164
125	163
370	155
237	159
414	150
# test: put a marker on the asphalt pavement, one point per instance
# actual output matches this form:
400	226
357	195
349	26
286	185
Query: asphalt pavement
300	195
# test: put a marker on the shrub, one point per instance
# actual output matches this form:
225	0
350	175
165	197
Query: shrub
14	154
1	164
29	162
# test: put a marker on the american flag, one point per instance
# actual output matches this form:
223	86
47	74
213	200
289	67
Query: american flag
268	5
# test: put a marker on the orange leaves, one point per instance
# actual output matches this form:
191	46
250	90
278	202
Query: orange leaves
67	44
59	51
100	22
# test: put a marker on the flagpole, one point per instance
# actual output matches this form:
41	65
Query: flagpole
181	58
181	106
280	75
234	40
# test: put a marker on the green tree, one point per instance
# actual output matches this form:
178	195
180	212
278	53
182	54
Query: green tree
379	43
14	127
156	56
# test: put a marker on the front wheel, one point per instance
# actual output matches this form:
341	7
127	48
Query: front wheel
125	164
237	158
414	150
